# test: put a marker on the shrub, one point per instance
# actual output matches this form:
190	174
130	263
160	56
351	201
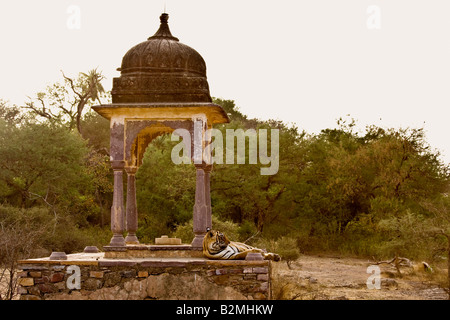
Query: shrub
186	234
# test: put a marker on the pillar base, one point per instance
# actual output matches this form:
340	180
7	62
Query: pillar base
131	239
197	243
117	241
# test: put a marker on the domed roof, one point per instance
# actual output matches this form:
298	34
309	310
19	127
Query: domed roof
161	69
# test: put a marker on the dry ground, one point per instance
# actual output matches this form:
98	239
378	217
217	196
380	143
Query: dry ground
335	278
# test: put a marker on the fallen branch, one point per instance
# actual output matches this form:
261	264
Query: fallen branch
397	262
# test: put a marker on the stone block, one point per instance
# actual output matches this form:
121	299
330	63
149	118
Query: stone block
112	279
34	290
254	256
32	267
96	274
41	280
260	270
247	270
35	274
221	271
263	277
60	285
58	268
47	288
91	249
26	282
117	263
22	274
128	273
235	271
142	274
58	256
92	284
221	280
165	240
22	290
56	277
263	287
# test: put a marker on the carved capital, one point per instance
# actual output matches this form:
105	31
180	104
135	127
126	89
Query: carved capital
131	170
118	164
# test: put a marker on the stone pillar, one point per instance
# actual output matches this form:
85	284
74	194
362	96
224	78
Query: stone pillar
131	208
117	209
202	207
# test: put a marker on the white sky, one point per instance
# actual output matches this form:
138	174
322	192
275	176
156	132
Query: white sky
306	62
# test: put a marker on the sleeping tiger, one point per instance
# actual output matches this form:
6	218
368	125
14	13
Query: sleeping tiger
217	246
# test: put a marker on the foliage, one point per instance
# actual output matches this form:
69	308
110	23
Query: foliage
379	191
230	229
165	191
64	103
285	246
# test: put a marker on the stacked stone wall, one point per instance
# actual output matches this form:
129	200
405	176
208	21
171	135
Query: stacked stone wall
144	280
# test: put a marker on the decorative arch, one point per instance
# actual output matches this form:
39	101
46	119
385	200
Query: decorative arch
140	133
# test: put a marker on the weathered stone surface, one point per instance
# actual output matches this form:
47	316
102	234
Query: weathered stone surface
165	240
96	274
33	266
142	274
58	268
22	274
58	256
47	288
91	249
21	290
260	270
41	280
57	277
92	284
154	279
60	285
247	270
34	291
30	297
35	274
250	276
262	277
128	273
254	256
117	263
26	282
112	279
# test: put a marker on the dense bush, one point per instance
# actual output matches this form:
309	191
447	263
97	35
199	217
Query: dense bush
377	192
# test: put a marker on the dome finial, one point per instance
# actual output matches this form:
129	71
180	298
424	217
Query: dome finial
164	31
164	17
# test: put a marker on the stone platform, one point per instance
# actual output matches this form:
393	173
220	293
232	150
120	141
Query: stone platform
152	251
95	276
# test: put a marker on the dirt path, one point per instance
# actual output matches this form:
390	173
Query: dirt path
331	278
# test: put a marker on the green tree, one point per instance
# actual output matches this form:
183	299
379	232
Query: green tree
239	192
353	181
165	191
43	164
64	103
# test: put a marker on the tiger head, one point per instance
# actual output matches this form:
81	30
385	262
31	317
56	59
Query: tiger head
215	241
